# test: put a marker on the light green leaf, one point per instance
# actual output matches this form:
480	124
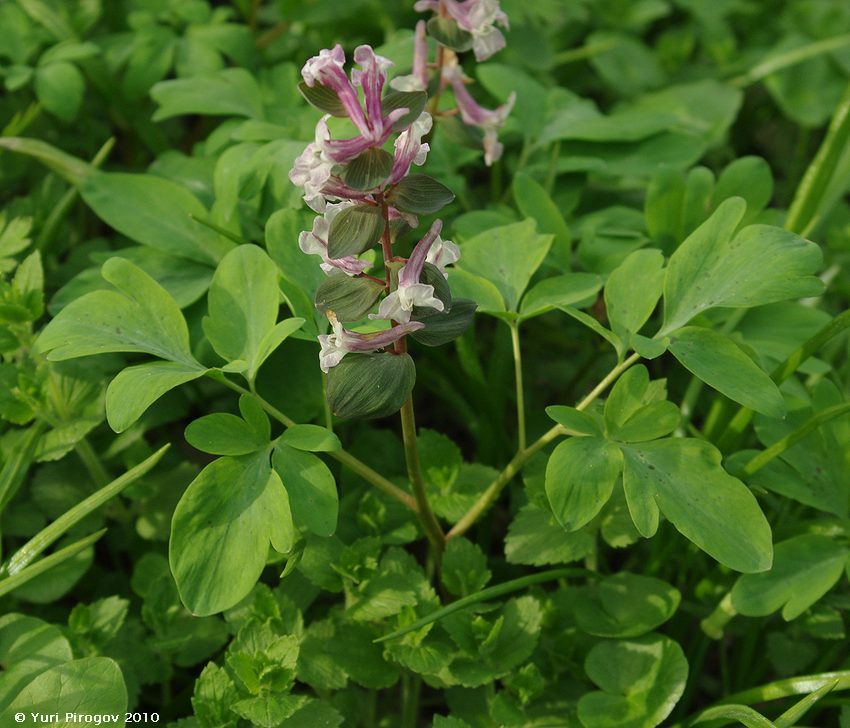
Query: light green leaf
580	478
312	438
221	530
139	317
649	423
804	569
719	362
68	167
534	202
574	419
633	290
228	92
641	681
224	434
154	211
60	87
243	305
716	267
269	343
469	286
569	289
91	685
311	487
136	388
706	504
507	256
625	605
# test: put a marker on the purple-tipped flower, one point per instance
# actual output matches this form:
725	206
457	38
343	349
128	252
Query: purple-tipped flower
398	305
313	168
314	242
443	253
409	148
418	80
342	341
472	113
477	17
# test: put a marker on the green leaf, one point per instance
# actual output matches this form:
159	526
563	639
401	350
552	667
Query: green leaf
475	288
632	292
136	388
28	647
221	530
447	32
442	327
414	101
641	681
367	170
719	362
355	230
535	538
533	201
323	98
154	211
312	438
350	298
507	256
140	316
625	605
92	685
60	87
224	434
684	478
420	194
268	344
716	267
227	92
574	419
243	305
370	385
580	478
570	289
649	423
632	392
464	569
68	167
804	569
311	487
750	178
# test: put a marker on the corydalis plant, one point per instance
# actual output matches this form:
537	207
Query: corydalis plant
366	196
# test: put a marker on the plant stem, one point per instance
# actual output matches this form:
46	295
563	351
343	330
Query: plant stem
790	58
92	463
491	493
520	397
802	215
341	456
410	686
414	471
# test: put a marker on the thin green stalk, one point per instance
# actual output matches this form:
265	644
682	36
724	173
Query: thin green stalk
491	493
803	211
411	685
485	595
582	52
779	447
742	419
800	685
341	456
790	58
414	471
92	463
520	397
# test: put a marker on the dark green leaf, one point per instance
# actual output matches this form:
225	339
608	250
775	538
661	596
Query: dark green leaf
350	298
446	32
442	327
420	194
414	101
370	385
354	230
367	170
323	98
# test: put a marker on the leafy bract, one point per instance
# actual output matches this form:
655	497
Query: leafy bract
804	569
684	479
641	681
221	530
716	266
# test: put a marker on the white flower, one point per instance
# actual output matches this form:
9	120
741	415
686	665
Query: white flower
443	253
313	168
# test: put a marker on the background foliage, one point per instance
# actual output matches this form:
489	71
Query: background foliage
681	558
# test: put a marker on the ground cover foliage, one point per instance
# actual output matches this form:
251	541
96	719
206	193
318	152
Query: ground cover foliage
573	446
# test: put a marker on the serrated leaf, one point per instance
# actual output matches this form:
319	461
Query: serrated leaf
464	569
537	539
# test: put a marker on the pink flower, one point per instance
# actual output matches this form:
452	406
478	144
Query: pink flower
398	305
418	80
409	148
342	341
490	120
477	17
314	242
